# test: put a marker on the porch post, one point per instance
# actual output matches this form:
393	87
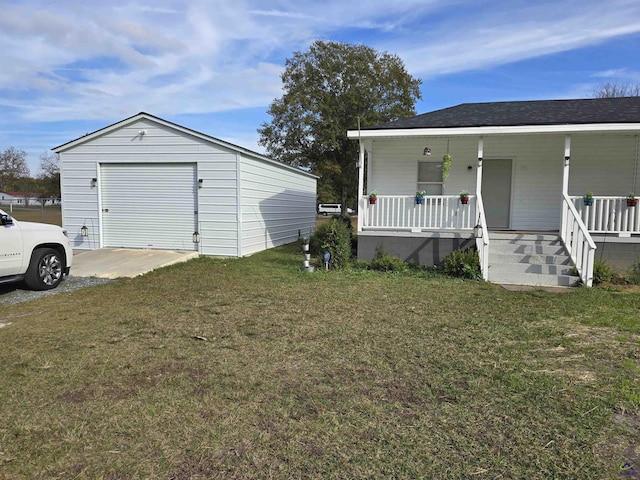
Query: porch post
479	176
567	160
479	171
565	181
360	185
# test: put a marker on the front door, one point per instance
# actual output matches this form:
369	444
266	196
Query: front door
496	192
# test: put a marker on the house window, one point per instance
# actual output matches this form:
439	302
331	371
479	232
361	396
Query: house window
430	177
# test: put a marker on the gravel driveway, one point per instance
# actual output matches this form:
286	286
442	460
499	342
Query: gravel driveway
12	293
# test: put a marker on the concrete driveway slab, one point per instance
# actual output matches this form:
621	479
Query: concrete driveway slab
124	262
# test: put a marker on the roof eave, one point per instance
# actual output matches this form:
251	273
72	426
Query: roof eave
493	130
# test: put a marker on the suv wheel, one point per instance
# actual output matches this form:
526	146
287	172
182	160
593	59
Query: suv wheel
45	270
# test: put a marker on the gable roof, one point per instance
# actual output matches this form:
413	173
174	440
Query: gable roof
535	112
20	194
175	126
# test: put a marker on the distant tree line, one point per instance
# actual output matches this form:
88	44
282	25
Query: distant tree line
613	89
16	177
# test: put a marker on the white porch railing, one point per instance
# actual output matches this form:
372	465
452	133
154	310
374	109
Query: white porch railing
608	214
438	212
482	243
578	242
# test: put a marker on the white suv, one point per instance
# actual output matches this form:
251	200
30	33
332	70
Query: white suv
37	253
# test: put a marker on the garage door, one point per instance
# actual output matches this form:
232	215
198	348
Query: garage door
149	205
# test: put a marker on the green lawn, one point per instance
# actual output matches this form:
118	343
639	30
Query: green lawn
36	213
251	368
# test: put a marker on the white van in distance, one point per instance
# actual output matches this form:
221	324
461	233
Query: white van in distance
331	209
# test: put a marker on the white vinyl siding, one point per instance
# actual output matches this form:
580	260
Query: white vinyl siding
277	205
394	170
216	198
601	163
218	222
148	205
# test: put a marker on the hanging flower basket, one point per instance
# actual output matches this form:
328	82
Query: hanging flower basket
464	198
372	198
420	198
632	202
588	199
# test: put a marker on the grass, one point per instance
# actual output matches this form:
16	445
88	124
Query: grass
36	213
251	368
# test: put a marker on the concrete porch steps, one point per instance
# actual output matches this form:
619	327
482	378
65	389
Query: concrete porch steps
529	259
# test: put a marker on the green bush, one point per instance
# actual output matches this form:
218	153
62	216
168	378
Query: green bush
332	236
346	219
383	262
463	264
633	273
360	264
601	272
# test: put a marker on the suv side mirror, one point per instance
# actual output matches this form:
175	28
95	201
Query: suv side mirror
6	220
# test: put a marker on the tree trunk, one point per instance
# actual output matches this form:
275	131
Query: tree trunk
343	199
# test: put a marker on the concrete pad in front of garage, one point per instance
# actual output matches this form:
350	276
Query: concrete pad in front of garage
124	262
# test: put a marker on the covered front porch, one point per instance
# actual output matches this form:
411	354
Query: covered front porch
525	182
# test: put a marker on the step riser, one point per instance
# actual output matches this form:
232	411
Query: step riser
508	268
533	279
527	249
530	259
524	237
500	241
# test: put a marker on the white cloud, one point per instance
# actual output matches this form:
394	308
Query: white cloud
493	37
619	75
76	60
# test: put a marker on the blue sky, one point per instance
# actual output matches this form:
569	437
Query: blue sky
71	67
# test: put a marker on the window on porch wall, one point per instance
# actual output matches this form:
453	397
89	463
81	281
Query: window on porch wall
430	177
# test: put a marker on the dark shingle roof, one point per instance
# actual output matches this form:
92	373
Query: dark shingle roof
536	112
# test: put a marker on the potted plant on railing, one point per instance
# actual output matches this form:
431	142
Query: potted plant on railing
464	197
588	199
372	198
420	197
632	201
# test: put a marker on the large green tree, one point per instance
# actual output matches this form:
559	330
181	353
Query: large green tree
326	90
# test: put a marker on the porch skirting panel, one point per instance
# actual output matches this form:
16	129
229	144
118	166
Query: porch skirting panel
619	253
424	248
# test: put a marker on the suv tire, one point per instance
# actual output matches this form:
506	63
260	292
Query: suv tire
46	269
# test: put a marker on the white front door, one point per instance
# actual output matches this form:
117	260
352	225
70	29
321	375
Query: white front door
496	192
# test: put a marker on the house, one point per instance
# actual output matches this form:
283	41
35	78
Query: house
145	182
527	166
18	198
7	198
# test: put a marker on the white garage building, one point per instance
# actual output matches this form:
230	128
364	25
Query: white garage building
145	182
